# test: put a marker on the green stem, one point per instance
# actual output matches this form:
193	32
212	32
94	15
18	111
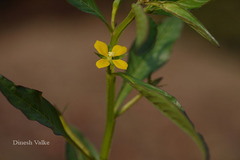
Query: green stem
128	105
110	120
122	26
72	138
116	4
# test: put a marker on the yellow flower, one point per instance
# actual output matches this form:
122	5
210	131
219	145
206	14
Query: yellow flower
110	57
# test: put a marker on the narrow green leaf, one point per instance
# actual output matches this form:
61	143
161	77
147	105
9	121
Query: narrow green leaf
142	24
88	6
121	27
191	4
170	107
141	64
165	0
73	154
188	4
153	9
188	18
146	30
35	107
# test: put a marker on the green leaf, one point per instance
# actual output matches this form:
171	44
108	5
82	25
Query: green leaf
152	9
118	57
73	154
142	24
170	107
142	64
191	4
187	17
35	107
188	4
165	0
88	6
146	34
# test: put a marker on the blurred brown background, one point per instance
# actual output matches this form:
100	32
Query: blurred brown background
48	45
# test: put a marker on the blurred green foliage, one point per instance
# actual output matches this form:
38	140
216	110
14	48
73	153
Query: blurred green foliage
220	17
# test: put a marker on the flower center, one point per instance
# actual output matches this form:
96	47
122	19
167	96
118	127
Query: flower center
111	54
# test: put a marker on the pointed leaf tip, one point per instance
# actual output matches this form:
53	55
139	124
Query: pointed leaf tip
32	104
170	107
188	18
88	6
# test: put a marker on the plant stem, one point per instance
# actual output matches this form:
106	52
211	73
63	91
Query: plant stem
116	4
110	120
128	105
122	26
72	138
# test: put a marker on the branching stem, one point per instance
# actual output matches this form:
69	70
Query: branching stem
128	105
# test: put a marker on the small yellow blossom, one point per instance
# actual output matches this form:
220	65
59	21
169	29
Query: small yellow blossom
108	59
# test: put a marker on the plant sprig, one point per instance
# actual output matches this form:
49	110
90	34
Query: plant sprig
149	52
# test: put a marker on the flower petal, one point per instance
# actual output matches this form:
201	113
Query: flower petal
101	47
102	63
119	50
120	64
